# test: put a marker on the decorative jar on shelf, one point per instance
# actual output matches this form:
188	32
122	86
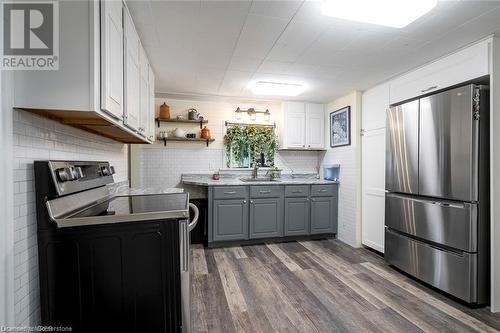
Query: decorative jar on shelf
205	133
164	111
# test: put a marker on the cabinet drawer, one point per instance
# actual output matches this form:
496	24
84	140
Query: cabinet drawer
297	191
266	191
230	192
454	273
324	190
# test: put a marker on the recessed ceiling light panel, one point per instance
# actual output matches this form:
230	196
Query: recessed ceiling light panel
276	88
391	13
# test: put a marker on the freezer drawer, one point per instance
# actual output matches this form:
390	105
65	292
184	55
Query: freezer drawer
448	158
454	273
448	223
402	148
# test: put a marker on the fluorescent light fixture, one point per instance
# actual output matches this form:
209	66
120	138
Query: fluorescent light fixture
276	88
391	13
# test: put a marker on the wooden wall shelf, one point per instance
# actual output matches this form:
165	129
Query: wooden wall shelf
184	121
208	141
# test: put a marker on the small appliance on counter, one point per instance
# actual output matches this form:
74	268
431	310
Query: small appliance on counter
331	172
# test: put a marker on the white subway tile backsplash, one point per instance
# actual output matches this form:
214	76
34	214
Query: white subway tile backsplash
37	138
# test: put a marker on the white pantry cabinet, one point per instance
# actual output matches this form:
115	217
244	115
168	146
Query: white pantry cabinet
132	74
304	125
465	65
97	86
373	114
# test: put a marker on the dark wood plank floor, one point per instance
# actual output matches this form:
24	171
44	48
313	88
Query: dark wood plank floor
318	286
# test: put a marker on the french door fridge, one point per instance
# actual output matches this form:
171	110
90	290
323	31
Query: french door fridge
437	191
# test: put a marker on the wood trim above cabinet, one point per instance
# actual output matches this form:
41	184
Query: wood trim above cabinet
93	122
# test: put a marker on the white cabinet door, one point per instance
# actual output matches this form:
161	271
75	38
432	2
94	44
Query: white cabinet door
112	58
374	105
151	128
373	189
315	126
132	74
144	92
465	65
295	118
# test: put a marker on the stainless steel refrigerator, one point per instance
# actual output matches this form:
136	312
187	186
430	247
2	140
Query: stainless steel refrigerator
437	191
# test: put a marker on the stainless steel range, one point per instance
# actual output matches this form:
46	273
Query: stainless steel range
111	258
437	184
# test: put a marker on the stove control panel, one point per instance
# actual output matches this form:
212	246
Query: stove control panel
75	176
69	174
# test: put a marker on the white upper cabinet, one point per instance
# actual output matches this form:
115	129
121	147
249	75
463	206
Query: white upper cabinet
294	125
462	66
101	65
151	129
315	126
112	58
132	74
144	92
303	125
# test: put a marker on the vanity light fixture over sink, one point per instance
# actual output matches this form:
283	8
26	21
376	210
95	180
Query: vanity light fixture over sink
276	88
390	13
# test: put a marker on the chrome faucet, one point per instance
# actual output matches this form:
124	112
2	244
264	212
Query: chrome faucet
255	171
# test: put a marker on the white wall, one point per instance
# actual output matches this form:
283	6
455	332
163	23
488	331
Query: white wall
154	165
349	158
37	138
7	315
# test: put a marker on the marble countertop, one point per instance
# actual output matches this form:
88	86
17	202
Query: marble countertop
206	180
125	190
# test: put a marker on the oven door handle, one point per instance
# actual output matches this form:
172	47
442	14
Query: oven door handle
194	220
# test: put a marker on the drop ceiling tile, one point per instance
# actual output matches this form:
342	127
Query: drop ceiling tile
244	64
273	67
147	34
213	60
259	35
140	11
234	82
281	9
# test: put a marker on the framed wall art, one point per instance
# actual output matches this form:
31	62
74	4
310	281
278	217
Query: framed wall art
340	127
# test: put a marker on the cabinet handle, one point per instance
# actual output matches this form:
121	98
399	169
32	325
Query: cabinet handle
297	191
265	192
251	201
244	201
230	192
303	146
322	190
429	89
309	146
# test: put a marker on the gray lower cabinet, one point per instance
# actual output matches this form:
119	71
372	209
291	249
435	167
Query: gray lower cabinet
323	215
297	216
266	218
230	220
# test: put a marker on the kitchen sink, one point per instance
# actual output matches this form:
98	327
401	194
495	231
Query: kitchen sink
259	179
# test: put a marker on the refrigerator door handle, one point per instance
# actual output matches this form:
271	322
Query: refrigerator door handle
433	202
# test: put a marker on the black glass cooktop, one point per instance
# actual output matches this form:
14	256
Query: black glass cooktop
137	204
